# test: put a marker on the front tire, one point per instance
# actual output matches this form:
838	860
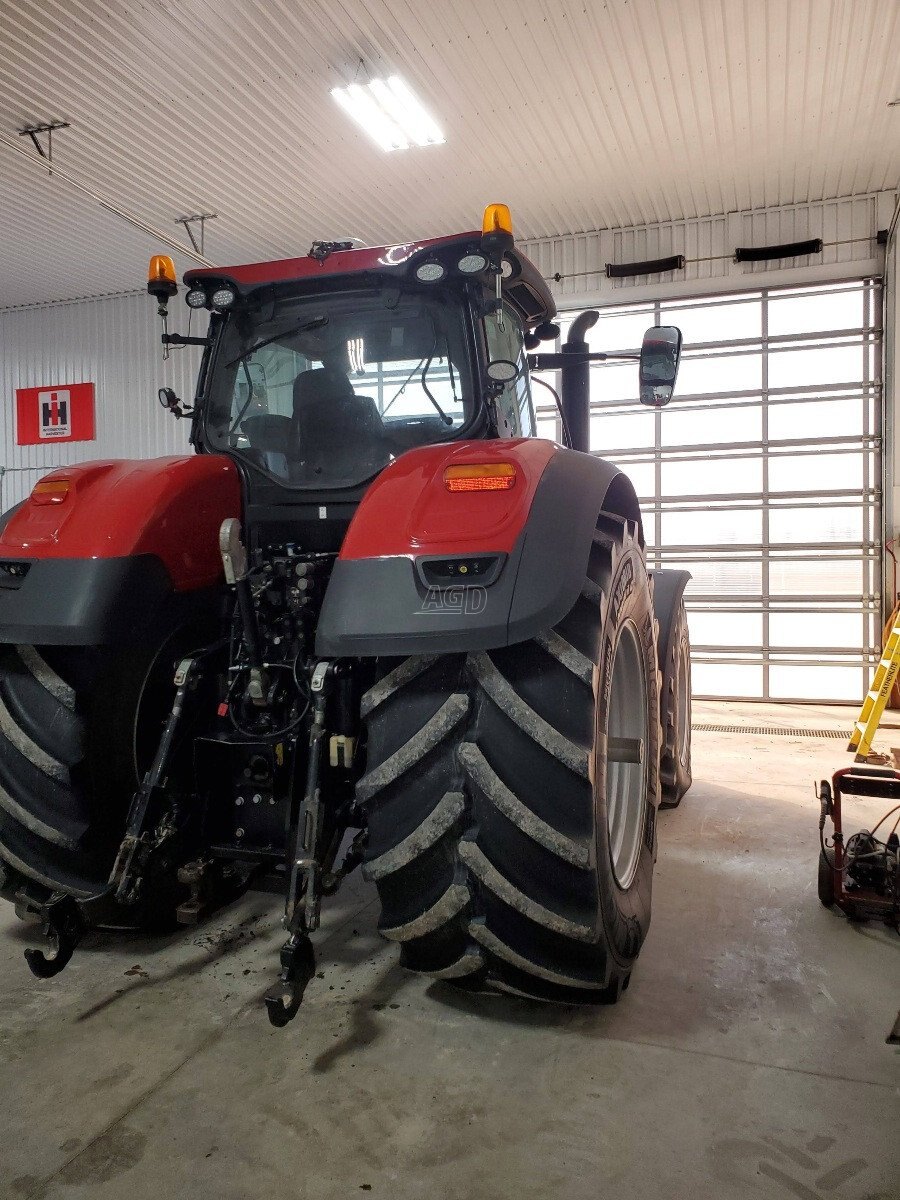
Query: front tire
506	845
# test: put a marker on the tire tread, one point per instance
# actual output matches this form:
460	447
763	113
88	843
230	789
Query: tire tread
518	905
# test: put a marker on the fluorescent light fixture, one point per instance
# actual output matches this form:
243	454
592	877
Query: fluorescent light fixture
390	113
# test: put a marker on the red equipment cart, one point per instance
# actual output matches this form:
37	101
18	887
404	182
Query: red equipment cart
862	874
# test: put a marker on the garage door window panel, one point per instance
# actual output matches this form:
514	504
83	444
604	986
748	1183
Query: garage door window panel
695	424
763	478
726	321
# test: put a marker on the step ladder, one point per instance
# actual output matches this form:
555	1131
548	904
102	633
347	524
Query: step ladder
878	695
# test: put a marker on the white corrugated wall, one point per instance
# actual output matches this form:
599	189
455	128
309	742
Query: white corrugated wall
114	341
847	226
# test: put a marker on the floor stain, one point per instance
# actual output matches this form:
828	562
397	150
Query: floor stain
110	1155
803	1172
111	1078
28	1185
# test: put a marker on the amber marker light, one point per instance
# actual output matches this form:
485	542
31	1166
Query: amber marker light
480	477
50	491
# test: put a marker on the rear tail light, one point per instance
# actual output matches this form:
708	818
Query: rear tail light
480	477
50	491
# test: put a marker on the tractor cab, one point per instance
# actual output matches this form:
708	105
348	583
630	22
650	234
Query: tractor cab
321	371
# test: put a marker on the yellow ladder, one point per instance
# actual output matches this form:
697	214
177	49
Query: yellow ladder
877	697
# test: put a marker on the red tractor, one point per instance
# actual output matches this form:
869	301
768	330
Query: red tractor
373	620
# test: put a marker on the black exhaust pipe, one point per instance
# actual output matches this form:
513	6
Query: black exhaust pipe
576	384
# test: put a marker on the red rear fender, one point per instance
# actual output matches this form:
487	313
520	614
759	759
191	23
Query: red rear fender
168	507
409	511
424	570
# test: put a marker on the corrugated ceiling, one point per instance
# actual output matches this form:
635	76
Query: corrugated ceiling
580	115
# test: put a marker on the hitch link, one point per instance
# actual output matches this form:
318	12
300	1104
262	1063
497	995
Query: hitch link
139	841
304	896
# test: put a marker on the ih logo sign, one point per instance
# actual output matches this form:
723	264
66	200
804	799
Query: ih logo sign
55	414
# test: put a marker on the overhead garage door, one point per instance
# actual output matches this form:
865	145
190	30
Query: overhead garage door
762	478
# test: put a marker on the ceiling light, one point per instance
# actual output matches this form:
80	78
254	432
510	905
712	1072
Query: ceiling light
390	113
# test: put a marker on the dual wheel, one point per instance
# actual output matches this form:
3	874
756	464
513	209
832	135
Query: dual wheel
512	794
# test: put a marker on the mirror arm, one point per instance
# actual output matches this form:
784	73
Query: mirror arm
177	339
556	362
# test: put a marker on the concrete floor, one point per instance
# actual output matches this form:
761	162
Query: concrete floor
748	1059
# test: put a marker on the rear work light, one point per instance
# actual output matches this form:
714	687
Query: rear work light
223	297
50	491
480	477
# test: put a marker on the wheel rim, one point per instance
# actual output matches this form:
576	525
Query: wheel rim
683	702
626	782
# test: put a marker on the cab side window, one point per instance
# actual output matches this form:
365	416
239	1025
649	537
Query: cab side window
515	413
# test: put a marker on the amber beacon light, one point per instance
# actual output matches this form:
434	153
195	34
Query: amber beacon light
161	279
496	229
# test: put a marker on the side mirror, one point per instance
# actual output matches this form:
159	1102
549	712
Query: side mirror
169	400
660	354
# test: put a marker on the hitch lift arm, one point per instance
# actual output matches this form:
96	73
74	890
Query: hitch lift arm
303	900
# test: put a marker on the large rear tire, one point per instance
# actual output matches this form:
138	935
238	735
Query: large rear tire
507	848
78	726
675	715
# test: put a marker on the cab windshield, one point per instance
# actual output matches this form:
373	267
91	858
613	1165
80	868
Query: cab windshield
325	391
